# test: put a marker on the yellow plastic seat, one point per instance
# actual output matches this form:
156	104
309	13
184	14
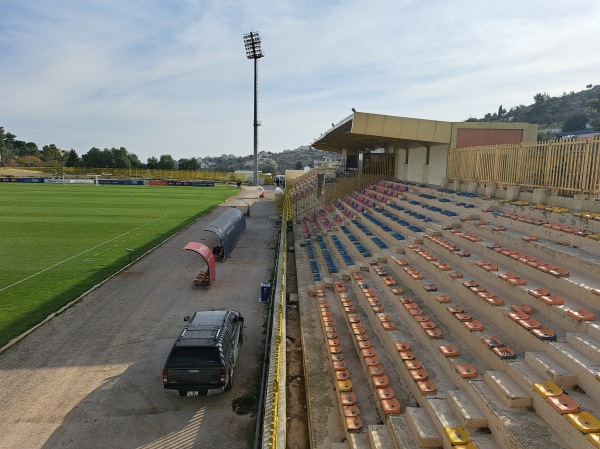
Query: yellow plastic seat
594	438
344	386
585	422
457	435
547	389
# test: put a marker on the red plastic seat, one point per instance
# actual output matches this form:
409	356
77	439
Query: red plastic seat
348	398
434	333
385	393
530	324
522	308
563	404
449	350
443	298
402	346
427	325
381	381
390	406
427	387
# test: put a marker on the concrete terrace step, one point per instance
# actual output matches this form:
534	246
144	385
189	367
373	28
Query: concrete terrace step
401	433
422	427
507	389
547	367
379	437
515	428
465	408
586	344
586	369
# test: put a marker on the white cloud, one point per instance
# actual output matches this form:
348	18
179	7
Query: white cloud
172	77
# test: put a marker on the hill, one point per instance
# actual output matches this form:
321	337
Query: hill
572	111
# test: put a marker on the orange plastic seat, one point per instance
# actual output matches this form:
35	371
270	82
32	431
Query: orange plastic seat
333	342
397	291
454	309
466	371
339	365
538	292
415	311
364	344
335	349
443	298
385	393
495	301
516	316
342	375
473	325
449	350
421	318
552	299
456	275
349	309
388	326
354	318
492	342
530	324
413	364
522	308
336	357
353	424
378	309
369	352
372	361
504	352
471	283
581	315
348	398
330	335
463	316
486	294
418	374
427	325
375	371
402	346
381	381
563	404
544	333
390	406
559	272
358	330
434	333
351	410
517	281
406	355
427	387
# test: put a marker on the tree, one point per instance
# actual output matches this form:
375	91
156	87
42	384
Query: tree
298	165
120	158
594	104
166	162
188	164
152	163
72	158
51	153
501	111
575	122
539	98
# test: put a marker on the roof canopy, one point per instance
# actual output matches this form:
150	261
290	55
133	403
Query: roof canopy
363	131
229	227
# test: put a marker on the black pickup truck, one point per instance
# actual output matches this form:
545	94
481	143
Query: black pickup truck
204	355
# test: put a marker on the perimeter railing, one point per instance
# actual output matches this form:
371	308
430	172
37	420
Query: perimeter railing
565	167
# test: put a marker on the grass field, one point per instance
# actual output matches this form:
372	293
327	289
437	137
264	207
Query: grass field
57	241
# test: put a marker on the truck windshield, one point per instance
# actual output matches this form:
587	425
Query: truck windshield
183	357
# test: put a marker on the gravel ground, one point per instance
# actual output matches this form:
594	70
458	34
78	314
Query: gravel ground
91	377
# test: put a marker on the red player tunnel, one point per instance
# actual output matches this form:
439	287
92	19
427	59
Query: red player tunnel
208	256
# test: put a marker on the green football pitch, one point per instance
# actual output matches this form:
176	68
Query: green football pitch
57	241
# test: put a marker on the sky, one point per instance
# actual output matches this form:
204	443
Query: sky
172	77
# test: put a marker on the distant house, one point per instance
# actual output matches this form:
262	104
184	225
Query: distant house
583	134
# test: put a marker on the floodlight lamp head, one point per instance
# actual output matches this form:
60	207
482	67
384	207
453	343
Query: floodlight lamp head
252	44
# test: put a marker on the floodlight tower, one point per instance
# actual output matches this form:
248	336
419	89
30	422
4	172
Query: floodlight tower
253	51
